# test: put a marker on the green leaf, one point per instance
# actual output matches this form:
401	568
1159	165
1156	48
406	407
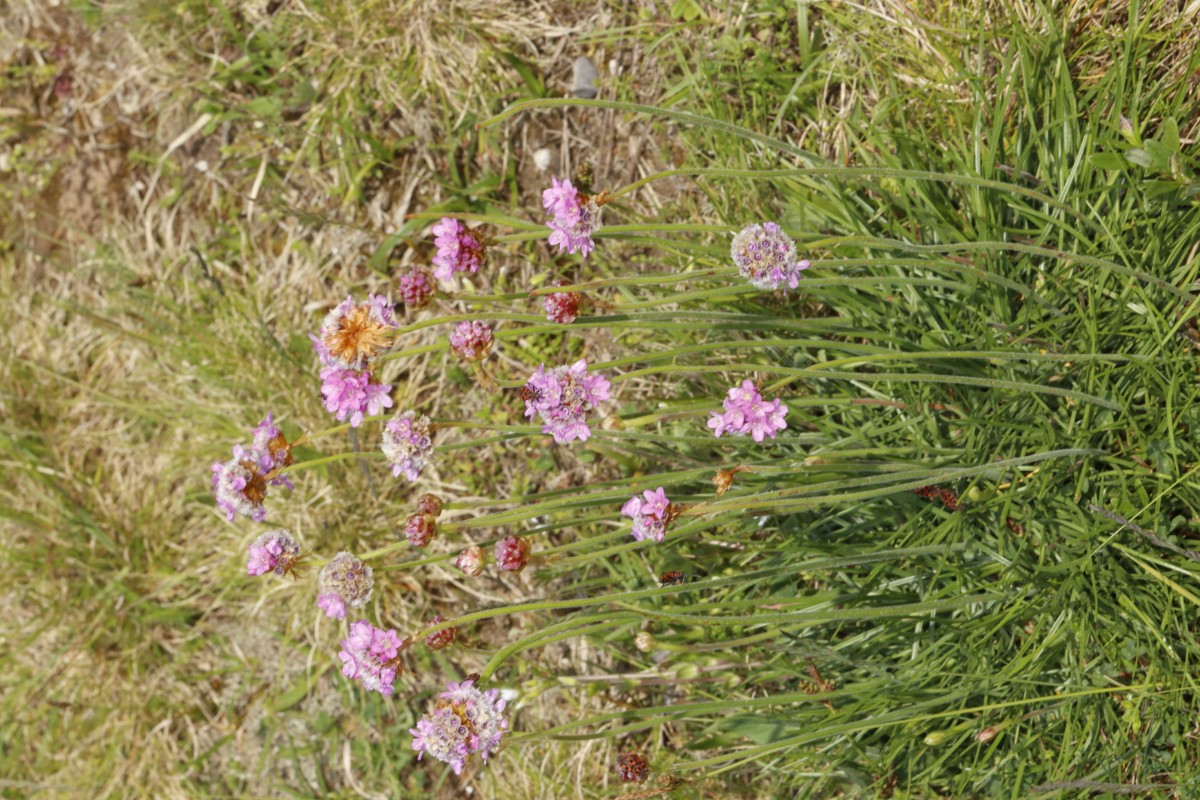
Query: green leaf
1170	134
1107	161
270	107
1140	157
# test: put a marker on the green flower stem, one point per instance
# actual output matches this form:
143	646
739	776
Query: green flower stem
694	709
872	377
903	716
572	627
1002	247
769	500
808	566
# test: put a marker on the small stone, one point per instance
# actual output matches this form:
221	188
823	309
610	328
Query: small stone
584	83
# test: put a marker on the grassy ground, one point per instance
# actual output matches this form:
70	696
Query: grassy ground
1000	203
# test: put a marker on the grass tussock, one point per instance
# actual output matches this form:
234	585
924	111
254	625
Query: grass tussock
188	190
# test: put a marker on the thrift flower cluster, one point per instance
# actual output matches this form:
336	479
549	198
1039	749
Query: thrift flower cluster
563	397
353	336
649	513
574	217
747	414
465	721
458	249
370	656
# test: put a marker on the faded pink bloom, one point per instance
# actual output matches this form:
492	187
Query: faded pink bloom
465	721
408	444
355	333
420	529
471	561
345	582
562	307
472	341
766	256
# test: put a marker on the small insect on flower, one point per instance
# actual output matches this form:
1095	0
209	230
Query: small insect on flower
632	767
439	639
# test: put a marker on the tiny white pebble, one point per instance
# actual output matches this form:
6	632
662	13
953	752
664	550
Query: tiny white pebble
541	159
202	166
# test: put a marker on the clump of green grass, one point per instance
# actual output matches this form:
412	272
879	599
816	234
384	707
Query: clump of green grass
1000	207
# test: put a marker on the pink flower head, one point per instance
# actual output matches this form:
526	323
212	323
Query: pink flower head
442	638
345	582
563	397
240	484
355	333
465	721
650	514
472	341
370	656
349	392
574	217
512	553
766	256
420	529
274	551
562	307
416	288
458	249
471	561
408	444
748	414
